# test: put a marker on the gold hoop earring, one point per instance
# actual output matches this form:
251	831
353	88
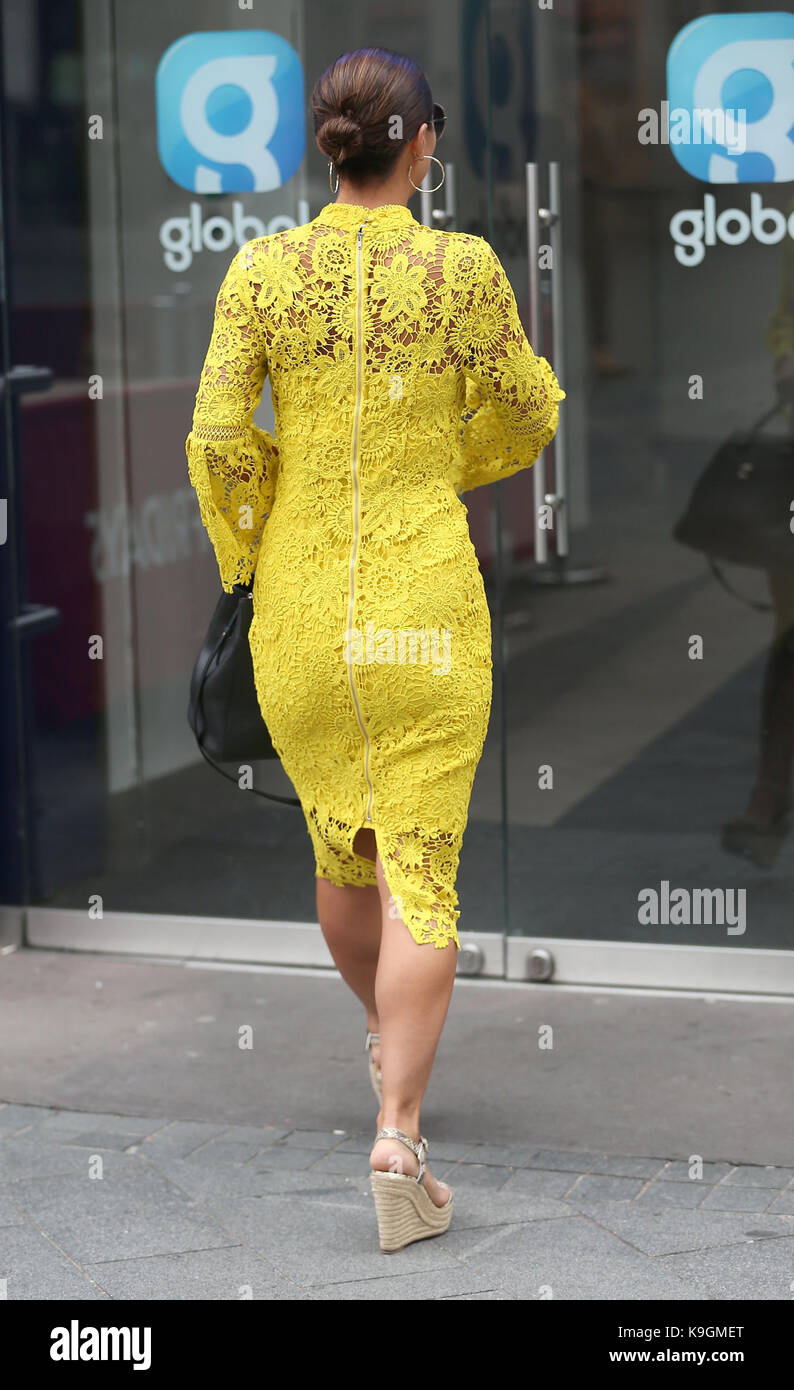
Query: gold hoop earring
330	169
433	159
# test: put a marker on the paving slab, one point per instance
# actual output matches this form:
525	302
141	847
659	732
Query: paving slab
620	1167
313	1139
506	1156
470	1176
132	1210
666	1231
254	1134
73	1121
9	1214
761	1270
602	1188
14	1118
230	1272
317	1242
181	1137
784	1204
98	1140
538	1182
347	1163
241	1180
440	1283
282	1157
723	1198
565	1160
23	1158
681	1172
223	1150
672	1194
34	1269
485	1296
572	1259
479	1210
759	1177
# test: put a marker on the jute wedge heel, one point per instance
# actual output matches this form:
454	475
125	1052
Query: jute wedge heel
375	1074
405	1211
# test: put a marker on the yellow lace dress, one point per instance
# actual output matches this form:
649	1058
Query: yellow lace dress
401	377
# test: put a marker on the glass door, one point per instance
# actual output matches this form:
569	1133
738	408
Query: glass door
26	615
649	711
13	839
120	237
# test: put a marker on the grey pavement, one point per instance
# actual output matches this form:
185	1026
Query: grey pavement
152	1147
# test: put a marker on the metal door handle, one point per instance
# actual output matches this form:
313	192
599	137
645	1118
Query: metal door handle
549	218
34	619
439	217
23	379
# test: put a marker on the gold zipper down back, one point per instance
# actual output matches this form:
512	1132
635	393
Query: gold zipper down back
356	505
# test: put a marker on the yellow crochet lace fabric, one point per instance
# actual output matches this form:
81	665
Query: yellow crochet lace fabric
401	377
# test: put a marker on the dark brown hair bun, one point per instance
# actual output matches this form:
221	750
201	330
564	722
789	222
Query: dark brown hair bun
340	137
366	107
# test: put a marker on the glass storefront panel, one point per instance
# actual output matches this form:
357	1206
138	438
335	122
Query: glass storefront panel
627	683
13	672
636	683
126	809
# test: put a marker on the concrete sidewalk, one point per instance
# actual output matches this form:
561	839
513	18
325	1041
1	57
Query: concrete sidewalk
145	1154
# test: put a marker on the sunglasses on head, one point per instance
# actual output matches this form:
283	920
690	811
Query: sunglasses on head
439	119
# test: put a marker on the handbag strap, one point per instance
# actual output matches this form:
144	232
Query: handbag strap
271	796
779	408
753	603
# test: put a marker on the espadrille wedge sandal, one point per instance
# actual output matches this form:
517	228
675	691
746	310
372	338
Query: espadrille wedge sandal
375	1074
404	1209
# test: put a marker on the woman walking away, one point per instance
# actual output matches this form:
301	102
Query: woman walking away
401	377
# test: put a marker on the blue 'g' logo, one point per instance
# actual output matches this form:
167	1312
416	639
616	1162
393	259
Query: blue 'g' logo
735	63
230	111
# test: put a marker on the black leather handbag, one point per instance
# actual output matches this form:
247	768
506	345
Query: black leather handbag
223	709
740	510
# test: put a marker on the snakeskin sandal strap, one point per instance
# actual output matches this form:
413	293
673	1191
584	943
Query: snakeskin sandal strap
375	1073
418	1149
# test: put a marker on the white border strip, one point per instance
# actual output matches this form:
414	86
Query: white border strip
195	938
598	964
226	939
707	969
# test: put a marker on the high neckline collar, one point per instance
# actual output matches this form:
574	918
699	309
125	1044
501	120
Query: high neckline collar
354	215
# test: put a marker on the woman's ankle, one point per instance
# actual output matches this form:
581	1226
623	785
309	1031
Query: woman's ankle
407	1124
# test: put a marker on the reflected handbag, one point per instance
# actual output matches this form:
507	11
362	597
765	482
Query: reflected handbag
223	709
740	509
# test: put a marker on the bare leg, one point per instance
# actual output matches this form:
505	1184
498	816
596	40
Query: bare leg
413	988
350	919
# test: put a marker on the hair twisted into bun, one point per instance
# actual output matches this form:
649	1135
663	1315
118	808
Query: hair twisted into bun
366	107
341	138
